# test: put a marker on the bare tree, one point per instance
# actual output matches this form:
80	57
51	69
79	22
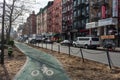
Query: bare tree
13	12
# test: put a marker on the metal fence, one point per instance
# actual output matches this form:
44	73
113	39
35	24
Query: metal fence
80	52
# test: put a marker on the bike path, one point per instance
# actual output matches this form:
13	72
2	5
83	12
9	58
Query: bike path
39	65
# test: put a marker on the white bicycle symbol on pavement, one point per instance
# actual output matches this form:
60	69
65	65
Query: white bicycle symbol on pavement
44	70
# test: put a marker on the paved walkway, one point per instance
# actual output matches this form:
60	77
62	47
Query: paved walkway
39	66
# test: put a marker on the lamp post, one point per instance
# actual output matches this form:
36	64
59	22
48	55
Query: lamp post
2	36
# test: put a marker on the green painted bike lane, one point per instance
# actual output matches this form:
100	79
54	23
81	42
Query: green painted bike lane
39	65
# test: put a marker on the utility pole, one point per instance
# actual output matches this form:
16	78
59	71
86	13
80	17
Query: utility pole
2	36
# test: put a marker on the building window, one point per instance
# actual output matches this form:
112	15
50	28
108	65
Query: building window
78	23
79	12
83	1
78	2
83	12
87	20
75	3
75	24
75	13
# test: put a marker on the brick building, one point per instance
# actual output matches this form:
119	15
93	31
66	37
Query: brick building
55	17
41	20
25	29
49	18
67	18
31	22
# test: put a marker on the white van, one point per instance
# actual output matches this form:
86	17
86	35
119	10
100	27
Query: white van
87	42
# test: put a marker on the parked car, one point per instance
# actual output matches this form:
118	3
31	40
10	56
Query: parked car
74	43
66	42
86	42
48	41
38	38
32	41
109	44
44	39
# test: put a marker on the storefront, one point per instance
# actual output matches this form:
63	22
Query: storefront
108	29
104	28
93	28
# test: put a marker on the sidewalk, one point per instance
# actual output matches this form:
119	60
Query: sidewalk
39	66
117	49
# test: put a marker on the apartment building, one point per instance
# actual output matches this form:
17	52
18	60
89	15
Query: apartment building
49	18
54	19
39	22
67	18
104	20
80	17
31	22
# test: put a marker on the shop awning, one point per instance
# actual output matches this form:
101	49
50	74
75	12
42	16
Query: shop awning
107	21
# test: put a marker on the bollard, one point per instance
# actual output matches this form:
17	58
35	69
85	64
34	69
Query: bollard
69	49
46	45
38	44
51	47
42	44
58	48
82	54
108	56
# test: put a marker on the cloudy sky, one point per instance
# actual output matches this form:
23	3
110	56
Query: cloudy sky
35	4
40	4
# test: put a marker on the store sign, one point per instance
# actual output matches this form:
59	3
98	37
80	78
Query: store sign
115	8
108	37
107	21
91	25
103	12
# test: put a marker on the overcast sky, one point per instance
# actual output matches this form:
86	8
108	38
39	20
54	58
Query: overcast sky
36	5
40	4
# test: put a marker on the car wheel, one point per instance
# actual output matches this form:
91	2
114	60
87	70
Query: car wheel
113	48
74	45
86	46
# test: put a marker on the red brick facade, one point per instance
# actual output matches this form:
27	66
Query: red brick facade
55	17
31	20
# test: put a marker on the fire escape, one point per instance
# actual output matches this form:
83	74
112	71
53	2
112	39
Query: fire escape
96	6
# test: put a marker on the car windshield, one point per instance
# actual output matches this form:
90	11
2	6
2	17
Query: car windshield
95	39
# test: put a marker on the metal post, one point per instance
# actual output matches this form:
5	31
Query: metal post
38	44
108	56
2	37
42	44
46	45
69	49
51	47
58	48
82	54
